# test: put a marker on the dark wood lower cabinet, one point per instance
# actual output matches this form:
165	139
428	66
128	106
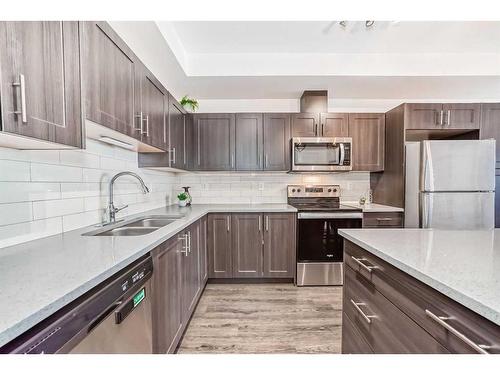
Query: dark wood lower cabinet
178	281
395	313
279	245
383	220
248	245
167	301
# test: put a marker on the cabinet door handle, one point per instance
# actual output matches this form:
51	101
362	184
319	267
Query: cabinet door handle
267	223
189	241
441	320
448	118
360	262
260	223
441	118
146	119
232	160
265	160
322	130
22	86
228	222
316	129
184	249
357	305
139	116
172	159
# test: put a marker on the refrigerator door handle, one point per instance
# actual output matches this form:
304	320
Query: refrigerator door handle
426	209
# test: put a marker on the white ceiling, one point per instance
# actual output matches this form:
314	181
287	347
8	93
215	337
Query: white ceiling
329	37
391	60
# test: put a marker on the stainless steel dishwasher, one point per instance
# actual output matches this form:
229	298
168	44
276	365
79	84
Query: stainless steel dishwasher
114	317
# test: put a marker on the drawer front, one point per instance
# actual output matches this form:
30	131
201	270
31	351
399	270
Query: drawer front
385	328
353	341
383	219
423	304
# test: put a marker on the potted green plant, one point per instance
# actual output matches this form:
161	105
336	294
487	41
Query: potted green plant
182	197
189	103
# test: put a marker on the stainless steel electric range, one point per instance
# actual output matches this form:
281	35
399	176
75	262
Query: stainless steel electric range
319	246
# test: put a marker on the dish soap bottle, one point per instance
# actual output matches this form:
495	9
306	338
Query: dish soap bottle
189	199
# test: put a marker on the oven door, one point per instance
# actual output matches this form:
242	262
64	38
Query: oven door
318	239
321	154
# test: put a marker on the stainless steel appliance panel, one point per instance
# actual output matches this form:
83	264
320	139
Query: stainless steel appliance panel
133	335
316	274
321	154
457	210
464	165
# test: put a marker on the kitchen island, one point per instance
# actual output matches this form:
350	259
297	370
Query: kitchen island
421	291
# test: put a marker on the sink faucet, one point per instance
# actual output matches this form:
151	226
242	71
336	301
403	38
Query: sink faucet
112	210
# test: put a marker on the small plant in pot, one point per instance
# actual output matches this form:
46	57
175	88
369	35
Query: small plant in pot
189	104
183	198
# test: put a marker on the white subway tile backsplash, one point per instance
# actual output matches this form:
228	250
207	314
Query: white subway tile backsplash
83	219
82	189
79	159
55	173
43	156
23	232
113	164
59	207
12	213
14	170
28	191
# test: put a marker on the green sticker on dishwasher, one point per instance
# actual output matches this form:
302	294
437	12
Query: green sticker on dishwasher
139	296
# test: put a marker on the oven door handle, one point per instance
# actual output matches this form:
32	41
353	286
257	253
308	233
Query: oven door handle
330	215
342	154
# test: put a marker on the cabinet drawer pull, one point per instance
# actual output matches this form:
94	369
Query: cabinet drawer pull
22	86
368	318
384	219
267	223
260	223
360	262
441	320
441	118
228	220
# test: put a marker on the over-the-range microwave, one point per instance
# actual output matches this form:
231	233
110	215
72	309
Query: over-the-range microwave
321	154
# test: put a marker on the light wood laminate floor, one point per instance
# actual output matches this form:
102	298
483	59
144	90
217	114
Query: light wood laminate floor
265	318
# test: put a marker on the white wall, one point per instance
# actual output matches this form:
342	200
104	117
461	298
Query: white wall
48	192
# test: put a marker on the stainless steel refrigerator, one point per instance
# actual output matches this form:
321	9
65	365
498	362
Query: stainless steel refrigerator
450	184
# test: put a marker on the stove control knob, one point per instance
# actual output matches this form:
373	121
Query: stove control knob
334	190
293	190
329	190
298	190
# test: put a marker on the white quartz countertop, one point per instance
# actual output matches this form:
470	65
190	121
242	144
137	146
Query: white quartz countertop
39	277
374	207
463	265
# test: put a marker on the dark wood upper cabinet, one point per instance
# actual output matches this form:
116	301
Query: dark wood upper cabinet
279	245
367	131
462	115
152	108
305	124
433	116
334	125
490	125
247	245
167	301
219	245
277	136
40	81
177	125
249	141
423	115
214	142
110	80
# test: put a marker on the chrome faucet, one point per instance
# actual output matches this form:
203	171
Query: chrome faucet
112	210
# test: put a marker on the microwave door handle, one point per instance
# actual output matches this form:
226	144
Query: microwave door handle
342	154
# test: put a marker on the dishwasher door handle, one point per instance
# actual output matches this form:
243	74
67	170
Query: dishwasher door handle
103	316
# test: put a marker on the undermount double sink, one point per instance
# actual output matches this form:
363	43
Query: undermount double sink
135	227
